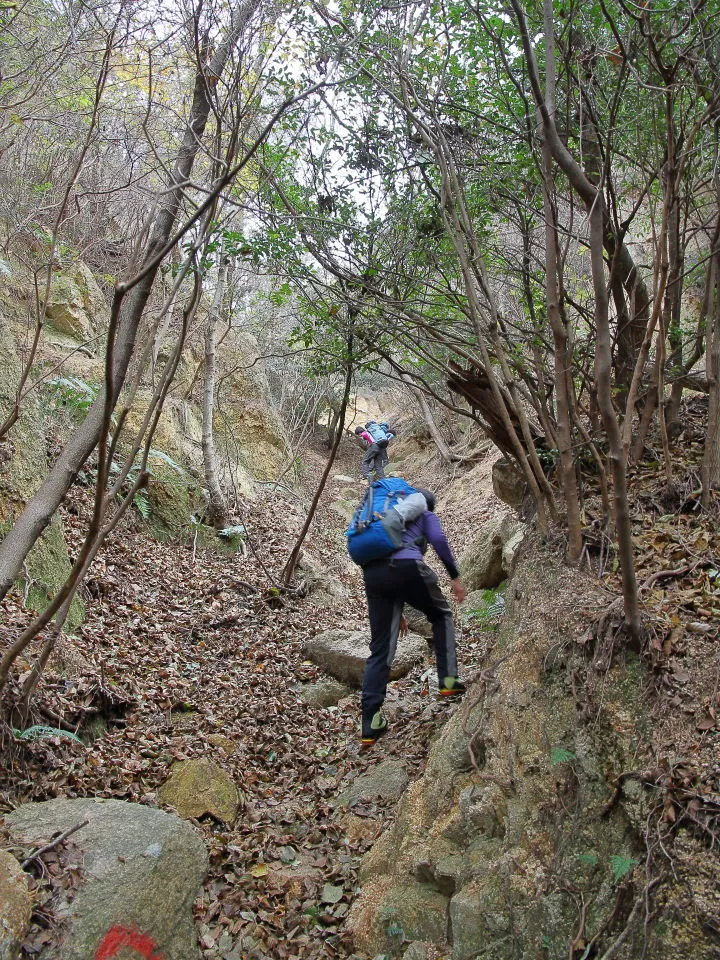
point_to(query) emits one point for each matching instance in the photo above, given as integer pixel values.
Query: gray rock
(15, 906)
(317, 578)
(418, 622)
(509, 485)
(469, 932)
(141, 873)
(510, 550)
(402, 913)
(342, 654)
(482, 563)
(324, 693)
(387, 780)
(483, 810)
(416, 951)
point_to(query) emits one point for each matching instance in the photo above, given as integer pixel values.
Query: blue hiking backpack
(377, 527)
(379, 431)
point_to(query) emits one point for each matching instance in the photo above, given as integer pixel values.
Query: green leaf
(621, 866)
(559, 755)
(590, 858)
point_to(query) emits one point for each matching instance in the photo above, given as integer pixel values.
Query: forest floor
(199, 645)
(188, 644)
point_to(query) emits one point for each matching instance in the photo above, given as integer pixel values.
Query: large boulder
(509, 485)
(487, 560)
(320, 581)
(75, 304)
(200, 787)
(174, 492)
(15, 906)
(342, 654)
(417, 622)
(387, 780)
(141, 873)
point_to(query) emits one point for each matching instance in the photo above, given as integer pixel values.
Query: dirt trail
(194, 644)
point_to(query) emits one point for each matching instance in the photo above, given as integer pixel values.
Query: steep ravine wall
(507, 846)
(23, 464)
(252, 445)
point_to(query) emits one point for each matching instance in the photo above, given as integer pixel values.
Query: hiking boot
(373, 729)
(451, 687)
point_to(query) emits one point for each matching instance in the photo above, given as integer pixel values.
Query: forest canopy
(510, 210)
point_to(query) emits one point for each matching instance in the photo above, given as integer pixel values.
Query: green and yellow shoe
(373, 730)
(452, 687)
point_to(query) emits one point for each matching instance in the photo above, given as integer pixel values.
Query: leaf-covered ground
(186, 647)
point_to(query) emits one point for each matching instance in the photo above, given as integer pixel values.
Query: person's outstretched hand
(458, 591)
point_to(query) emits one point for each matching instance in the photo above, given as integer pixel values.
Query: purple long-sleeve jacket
(427, 527)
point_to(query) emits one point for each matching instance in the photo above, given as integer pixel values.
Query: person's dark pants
(389, 584)
(376, 456)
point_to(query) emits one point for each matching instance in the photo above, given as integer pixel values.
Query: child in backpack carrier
(376, 436)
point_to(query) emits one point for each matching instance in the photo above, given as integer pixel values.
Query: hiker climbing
(388, 537)
(377, 437)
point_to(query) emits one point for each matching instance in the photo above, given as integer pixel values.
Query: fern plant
(41, 732)
(72, 394)
(489, 614)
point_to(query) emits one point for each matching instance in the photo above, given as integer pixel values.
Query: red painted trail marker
(118, 937)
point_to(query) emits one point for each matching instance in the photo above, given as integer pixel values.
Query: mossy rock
(200, 787)
(173, 500)
(409, 911)
(510, 831)
(75, 304)
(208, 538)
(23, 465)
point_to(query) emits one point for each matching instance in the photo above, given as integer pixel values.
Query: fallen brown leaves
(183, 655)
(677, 547)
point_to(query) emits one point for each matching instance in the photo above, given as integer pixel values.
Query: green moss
(207, 538)
(174, 499)
(47, 565)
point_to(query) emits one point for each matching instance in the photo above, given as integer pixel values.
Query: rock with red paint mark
(141, 872)
(15, 906)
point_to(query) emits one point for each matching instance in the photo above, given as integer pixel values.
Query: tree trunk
(217, 507)
(603, 363)
(592, 197)
(292, 561)
(443, 449)
(42, 506)
(711, 457)
(559, 330)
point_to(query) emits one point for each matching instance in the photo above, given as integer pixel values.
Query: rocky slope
(518, 840)
(251, 442)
